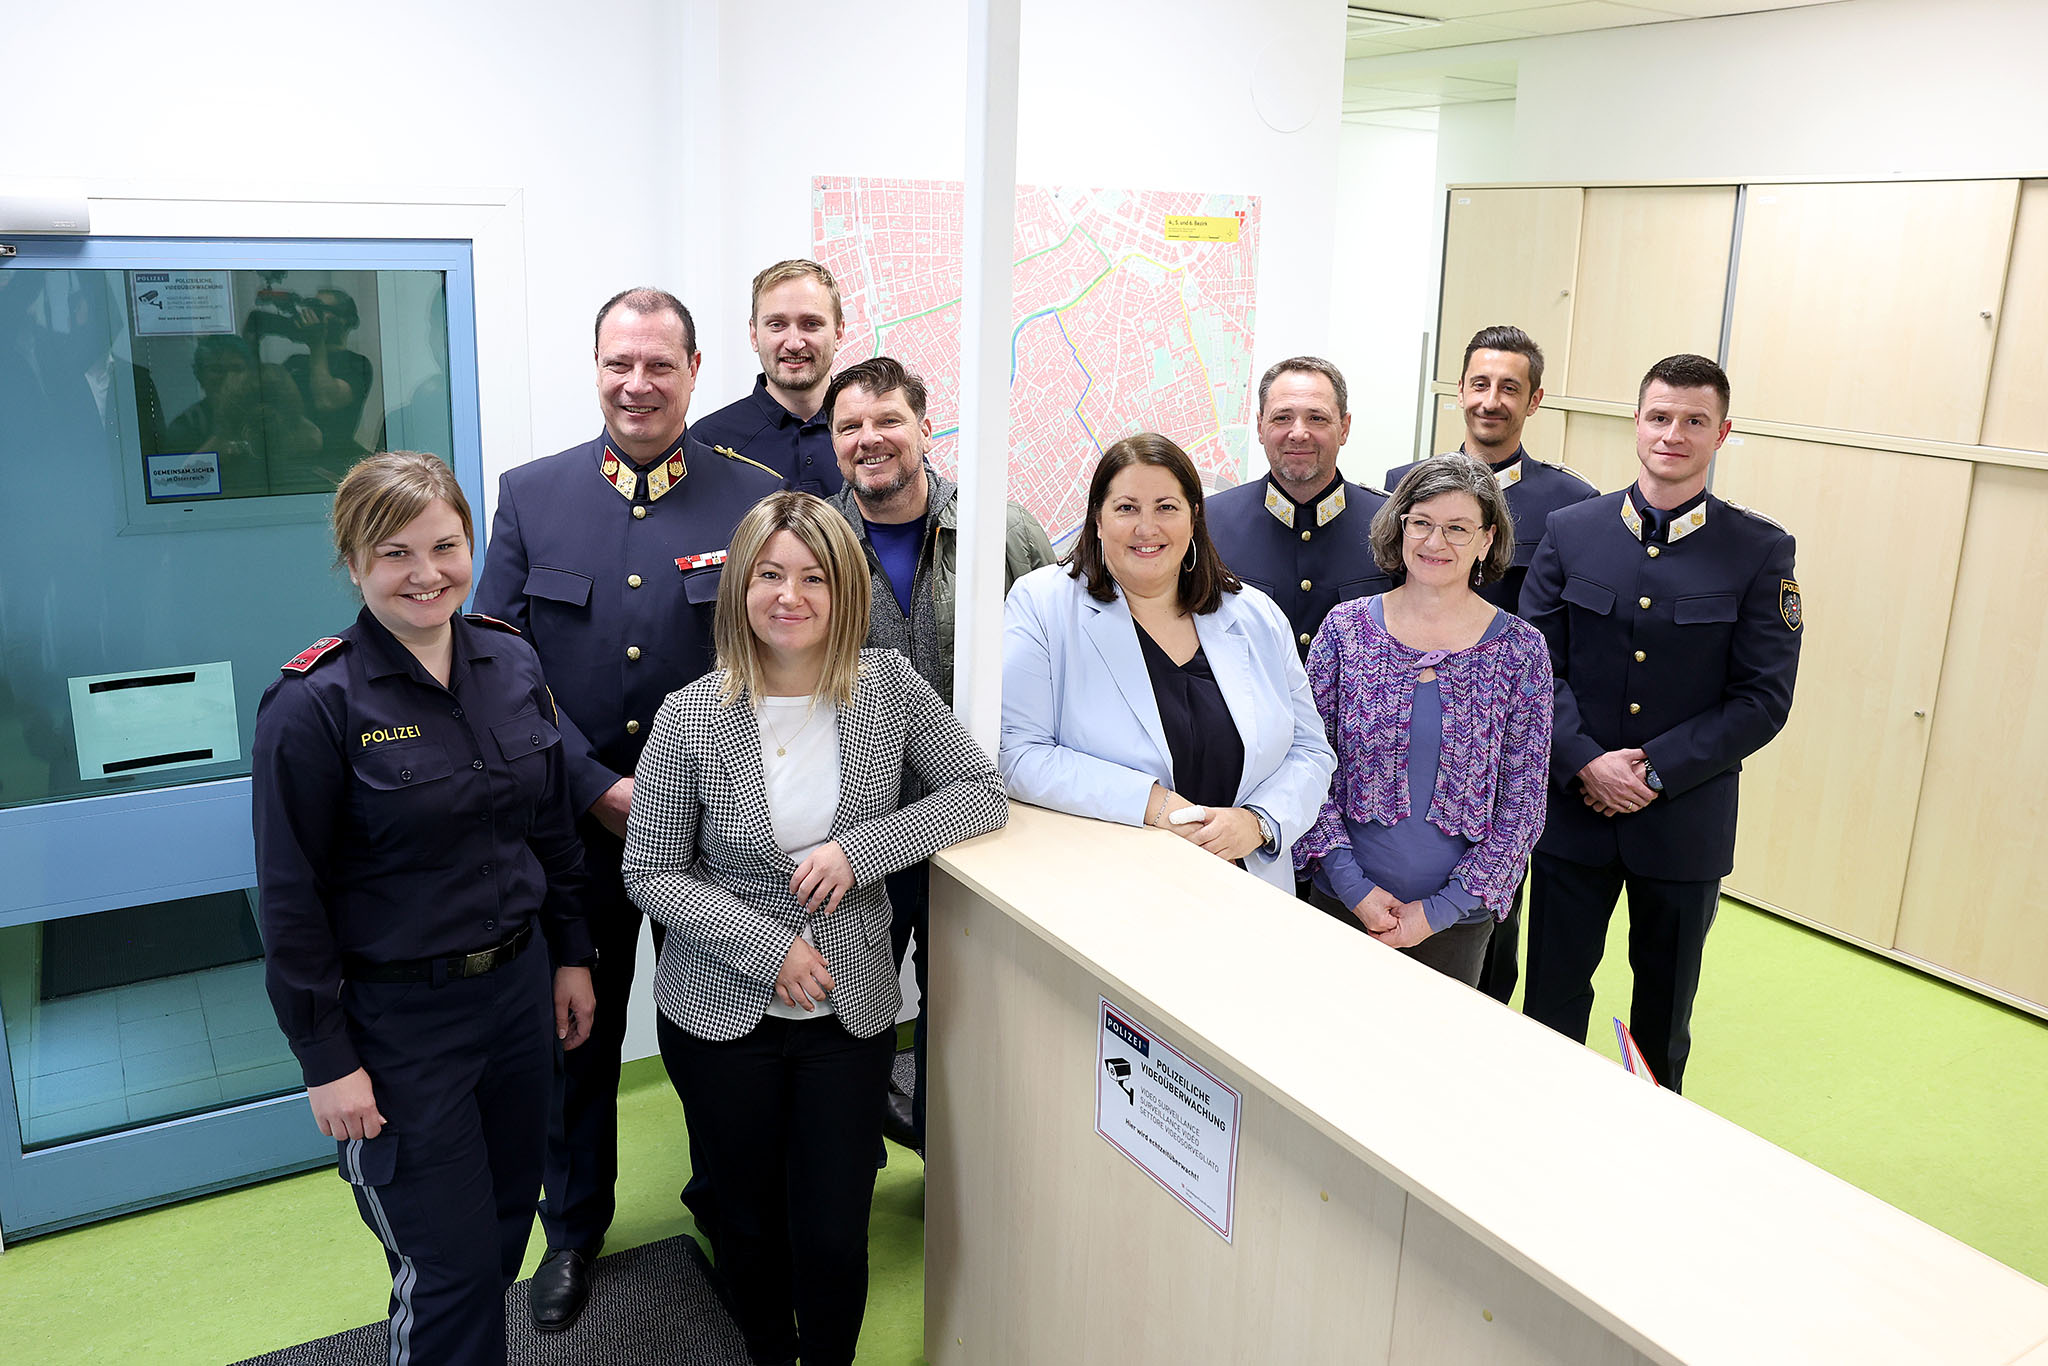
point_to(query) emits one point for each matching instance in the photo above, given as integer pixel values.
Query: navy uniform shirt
(763, 430)
(1308, 557)
(1534, 490)
(1684, 647)
(397, 819)
(612, 573)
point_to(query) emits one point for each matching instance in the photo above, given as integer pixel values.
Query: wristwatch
(1650, 778)
(1269, 838)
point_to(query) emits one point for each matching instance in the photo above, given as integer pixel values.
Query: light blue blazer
(1081, 730)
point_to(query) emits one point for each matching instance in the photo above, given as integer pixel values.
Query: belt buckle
(478, 963)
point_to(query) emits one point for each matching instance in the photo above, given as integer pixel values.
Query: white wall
(1386, 198)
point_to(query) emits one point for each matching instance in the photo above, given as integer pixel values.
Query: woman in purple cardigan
(1438, 705)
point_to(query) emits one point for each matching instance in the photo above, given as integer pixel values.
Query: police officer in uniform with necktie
(607, 556)
(1499, 388)
(1674, 624)
(1301, 534)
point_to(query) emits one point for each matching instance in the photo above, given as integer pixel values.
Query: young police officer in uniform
(412, 824)
(1499, 388)
(1301, 534)
(607, 555)
(1674, 622)
(795, 327)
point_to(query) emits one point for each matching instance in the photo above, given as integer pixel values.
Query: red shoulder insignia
(479, 619)
(305, 659)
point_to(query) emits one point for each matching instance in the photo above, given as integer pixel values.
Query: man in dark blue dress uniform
(607, 556)
(1674, 624)
(795, 326)
(1301, 534)
(1500, 386)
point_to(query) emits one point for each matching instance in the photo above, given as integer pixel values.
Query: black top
(1208, 753)
(761, 429)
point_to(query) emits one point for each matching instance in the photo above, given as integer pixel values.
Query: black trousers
(583, 1135)
(1569, 906)
(786, 1119)
(910, 902)
(1501, 968)
(460, 1070)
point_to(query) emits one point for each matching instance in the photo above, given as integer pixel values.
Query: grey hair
(1307, 365)
(1455, 472)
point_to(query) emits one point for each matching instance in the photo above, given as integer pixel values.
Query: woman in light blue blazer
(1143, 683)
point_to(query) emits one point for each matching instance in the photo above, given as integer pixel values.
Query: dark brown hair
(1513, 340)
(879, 375)
(1201, 588)
(1454, 472)
(1687, 371)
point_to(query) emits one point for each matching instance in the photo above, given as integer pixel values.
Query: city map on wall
(1133, 311)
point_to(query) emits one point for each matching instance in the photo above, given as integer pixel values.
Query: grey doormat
(647, 1305)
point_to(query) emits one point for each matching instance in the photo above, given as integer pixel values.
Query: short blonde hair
(782, 272)
(382, 493)
(826, 534)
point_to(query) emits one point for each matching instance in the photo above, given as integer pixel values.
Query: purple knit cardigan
(1490, 786)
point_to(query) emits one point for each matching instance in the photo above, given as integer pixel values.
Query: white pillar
(991, 213)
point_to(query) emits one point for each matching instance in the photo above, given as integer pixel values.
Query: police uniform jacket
(1307, 557)
(612, 573)
(1684, 650)
(701, 856)
(396, 819)
(761, 429)
(1534, 490)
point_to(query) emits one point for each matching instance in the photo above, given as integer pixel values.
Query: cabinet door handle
(1985, 314)
(1919, 712)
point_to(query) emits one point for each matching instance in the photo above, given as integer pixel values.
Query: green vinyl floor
(1921, 1093)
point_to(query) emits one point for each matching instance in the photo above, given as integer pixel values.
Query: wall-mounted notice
(181, 303)
(154, 719)
(175, 478)
(1169, 1115)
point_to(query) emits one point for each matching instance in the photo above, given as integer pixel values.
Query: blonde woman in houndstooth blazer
(765, 816)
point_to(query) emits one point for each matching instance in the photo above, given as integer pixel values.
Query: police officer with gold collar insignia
(413, 837)
(1499, 388)
(1301, 534)
(607, 555)
(1674, 625)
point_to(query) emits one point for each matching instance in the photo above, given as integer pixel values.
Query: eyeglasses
(1421, 529)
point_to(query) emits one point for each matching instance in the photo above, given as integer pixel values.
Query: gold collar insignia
(622, 476)
(1327, 510)
(665, 476)
(1510, 476)
(1282, 507)
(618, 474)
(1680, 529)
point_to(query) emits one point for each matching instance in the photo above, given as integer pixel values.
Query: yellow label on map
(1190, 228)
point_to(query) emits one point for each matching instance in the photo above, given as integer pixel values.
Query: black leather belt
(439, 969)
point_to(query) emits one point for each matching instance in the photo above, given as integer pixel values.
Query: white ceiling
(1409, 97)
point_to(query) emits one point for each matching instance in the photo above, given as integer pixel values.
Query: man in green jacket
(907, 518)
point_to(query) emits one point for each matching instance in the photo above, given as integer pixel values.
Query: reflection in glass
(138, 1015)
(170, 439)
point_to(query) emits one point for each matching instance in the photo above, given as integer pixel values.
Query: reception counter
(1421, 1175)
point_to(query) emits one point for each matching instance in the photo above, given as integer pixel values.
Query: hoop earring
(1189, 567)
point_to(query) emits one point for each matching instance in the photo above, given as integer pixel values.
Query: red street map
(1125, 321)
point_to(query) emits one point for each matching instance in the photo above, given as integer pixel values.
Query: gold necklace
(782, 745)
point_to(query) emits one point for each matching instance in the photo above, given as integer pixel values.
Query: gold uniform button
(632, 580)
(1640, 656)
(1306, 585)
(1304, 638)
(1306, 534)
(1642, 602)
(1634, 707)
(632, 652)
(632, 728)
(1655, 552)
(638, 512)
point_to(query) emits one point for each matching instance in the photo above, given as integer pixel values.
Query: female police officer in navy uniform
(412, 826)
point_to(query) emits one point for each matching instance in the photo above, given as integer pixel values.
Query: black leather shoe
(559, 1290)
(896, 1125)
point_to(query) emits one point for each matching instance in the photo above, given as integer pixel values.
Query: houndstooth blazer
(701, 856)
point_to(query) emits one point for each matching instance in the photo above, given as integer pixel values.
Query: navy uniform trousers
(461, 1071)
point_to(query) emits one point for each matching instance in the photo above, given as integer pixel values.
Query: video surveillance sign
(1170, 1115)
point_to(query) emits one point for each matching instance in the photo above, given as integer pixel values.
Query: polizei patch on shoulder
(1788, 603)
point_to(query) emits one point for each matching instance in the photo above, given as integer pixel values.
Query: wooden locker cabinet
(1510, 256)
(1638, 305)
(2016, 410)
(1871, 308)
